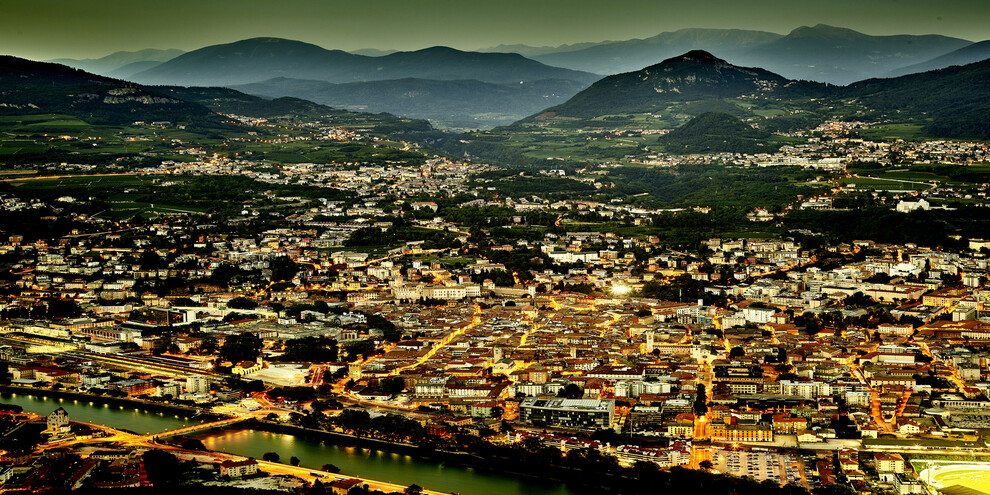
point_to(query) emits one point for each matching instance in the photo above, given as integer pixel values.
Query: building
(342, 487)
(131, 386)
(58, 420)
(889, 463)
(906, 485)
(788, 425)
(238, 469)
(568, 413)
(742, 433)
(197, 385)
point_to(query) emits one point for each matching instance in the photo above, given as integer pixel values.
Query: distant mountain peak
(694, 75)
(827, 30)
(696, 56)
(439, 49)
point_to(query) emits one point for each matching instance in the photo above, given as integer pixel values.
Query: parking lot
(761, 466)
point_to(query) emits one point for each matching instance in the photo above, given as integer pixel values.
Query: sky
(48, 29)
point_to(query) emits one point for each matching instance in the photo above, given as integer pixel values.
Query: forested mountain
(463, 104)
(261, 59)
(30, 87)
(695, 75)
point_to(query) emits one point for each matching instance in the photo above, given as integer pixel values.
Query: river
(121, 418)
(366, 463)
(373, 464)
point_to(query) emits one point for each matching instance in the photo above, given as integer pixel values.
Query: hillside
(953, 102)
(45, 89)
(32, 88)
(459, 104)
(615, 118)
(714, 132)
(229, 101)
(261, 59)
(696, 75)
(966, 55)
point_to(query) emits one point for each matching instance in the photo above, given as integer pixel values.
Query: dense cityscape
(691, 275)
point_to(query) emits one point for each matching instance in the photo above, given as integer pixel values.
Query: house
(341, 487)
(238, 469)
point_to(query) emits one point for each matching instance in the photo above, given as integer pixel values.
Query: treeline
(714, 185)
(933, 228)
(717, 132)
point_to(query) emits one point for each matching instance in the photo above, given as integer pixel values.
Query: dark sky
(45, 29)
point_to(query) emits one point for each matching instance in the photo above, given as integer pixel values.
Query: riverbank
(462, 460)
(374, 461)
(126, 402)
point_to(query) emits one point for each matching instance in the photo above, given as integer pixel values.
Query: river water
(121, 418)
(366, 463)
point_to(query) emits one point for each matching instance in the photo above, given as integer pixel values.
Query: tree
(330, 468)
(162, 467)
(193, 444)
(706, 464)
(208, 345)
(294, 461)
(413, 489)
(242, 303)
(701, 401)
(271, 457)
(736, 352)
(571, 391)
(241, 347)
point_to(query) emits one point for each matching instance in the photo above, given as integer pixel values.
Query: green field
(892, 131)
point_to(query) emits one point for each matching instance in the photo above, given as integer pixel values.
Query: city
(694, 274)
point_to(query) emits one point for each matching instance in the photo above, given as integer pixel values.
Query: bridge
(200, 427)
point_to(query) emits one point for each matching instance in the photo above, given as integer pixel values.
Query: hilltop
(695, 75)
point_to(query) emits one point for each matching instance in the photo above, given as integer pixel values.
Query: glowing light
(621, 290)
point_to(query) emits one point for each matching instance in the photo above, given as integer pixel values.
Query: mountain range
(965, 55)
(949, 102)
(819, 53)
(122, 65)
(498, 85)
(456, 88)
(260, 59)
(38, 88)
(706, 104)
